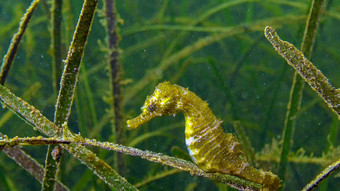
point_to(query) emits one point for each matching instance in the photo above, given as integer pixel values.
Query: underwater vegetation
(210, 148)
(73, 73)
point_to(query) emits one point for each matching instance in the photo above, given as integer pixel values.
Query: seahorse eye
(151, 107)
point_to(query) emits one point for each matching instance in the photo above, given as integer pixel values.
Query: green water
(215, 48)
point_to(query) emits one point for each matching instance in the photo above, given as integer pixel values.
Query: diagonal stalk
(180, 164)
(298, 83)
(34, 117)
(51, 165)
(12, 50)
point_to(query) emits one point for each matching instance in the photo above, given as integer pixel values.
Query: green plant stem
(324, 174)
(287, 51)
(307, 70)
(65, 99)
(68, 83)
(115, 73)
(51, 170)
(22, 158)
(314, 77)
(51, 165)
(12, 50)
(293, 106)
(40, 122)
(34, 117)
(72, 63)
(30, 165)
(180, 164)
(29, 93)
(56, 43)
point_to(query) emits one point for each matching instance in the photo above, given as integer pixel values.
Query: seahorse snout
(149, 111)
(139, 120)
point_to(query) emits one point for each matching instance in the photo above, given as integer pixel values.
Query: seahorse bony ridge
(209, 146)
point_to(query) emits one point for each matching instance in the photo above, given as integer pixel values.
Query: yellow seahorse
(209, 146)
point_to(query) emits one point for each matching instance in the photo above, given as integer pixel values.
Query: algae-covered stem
(12, 50)
(72, 64)
(56, 45)
(324, 174)
(17, 154)
(52, 165)
(68, 84)
(30, 165)
(34, 117)
(180, 164)
(115, 73)
(296, 91)
(306, 69)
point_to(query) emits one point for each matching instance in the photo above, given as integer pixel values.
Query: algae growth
(117, 52)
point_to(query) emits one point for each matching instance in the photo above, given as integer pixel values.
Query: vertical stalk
(56, 43)
(116, 71)
(34, 117)
(297, 86)
(51, 165)
(68, 84)
(72, 64)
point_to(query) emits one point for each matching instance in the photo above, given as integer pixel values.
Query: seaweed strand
(72, 64)
(51, 169)
(115, 73)
(293, 106)
(51, 165)
(180, 164)
(12, 50)
(56, 43)
(30, 165)
(68, 84)
(324, 174)
(298, 83)
(307, 70)
(34, 117)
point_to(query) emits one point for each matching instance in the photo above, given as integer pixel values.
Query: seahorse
(210, 148)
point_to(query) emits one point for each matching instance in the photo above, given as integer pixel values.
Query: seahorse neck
(198, 115)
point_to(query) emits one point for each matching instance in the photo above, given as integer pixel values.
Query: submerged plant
(164, 42)
(209, 146)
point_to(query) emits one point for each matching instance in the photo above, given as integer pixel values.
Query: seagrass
(209, 146)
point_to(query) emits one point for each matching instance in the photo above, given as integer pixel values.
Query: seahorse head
(165, 100)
